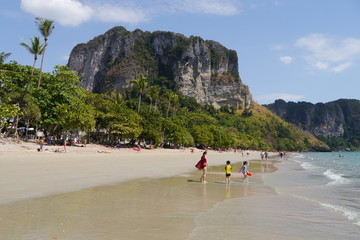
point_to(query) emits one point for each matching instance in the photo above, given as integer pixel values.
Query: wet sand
(31, 174)
(105, 193)
(145, 208)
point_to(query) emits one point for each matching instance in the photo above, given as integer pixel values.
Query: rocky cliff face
(340, 118)
(201, 69)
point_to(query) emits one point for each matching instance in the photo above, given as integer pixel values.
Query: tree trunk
(167, 112)
(139, 103)
(41, 65)
(16, 126)
(32, 74)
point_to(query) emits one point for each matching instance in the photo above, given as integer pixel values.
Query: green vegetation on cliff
(336, 123)
(155, 114)
(119, 55)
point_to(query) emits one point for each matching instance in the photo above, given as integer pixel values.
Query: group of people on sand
(264, 155)
(202, 166)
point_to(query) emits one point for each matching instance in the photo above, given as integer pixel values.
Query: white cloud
(341, 67)
(329, 54)
(286, 59)
(76, 12)
(217, 7)
(321, 65)
(111, 13)
(284, 96)
(66, 12)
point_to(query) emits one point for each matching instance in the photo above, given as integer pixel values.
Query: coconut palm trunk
(41, 66)
(45, 27)
(141, 84)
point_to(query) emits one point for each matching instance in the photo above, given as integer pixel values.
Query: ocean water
(310, 196)
(333, 181)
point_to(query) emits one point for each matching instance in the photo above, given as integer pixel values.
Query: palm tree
(4, 56)
(141, 85)
(154, 95)
(116, 97)
(45, 27)
(170, 97)
(175, 100)
(36, 48)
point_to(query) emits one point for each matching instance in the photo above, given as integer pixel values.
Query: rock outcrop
(339, 118)
(198, 68)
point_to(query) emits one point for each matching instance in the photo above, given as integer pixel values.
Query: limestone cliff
(198, 68)
(339, 118)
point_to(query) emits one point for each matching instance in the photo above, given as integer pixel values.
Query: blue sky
(296, 50)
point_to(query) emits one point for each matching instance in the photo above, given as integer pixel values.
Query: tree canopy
(62, 106)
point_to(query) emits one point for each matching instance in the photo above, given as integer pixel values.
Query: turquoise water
(311, 196)
(333, 180)
(319, 194)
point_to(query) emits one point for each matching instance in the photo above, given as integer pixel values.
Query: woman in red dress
(201, 165)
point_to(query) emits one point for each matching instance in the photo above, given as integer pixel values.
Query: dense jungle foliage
(150, 112)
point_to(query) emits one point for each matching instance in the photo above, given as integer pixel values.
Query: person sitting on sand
(201, 165)
(228, 169)
(137, 149)
(244, 170)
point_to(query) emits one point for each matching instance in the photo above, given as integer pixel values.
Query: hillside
(157, 116)
(159, 89)
(337, 123)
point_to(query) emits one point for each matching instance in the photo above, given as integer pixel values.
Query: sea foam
(336, 178)
(350, 215)
(307, 165)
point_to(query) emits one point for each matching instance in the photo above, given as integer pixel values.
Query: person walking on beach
(244, 170)
(201, 165)
(65, 144)
(41, 144)
(228, 169)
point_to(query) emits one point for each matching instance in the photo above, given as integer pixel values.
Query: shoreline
(26, 173)
(146, 208)
(156, 194)
(121, 194)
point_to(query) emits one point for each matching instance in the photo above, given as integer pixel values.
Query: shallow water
(325, 191)
(280, 205)
(139, 209)
(296, 202)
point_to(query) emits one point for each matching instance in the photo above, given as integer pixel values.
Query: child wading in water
(244, 170)
(201, 165)
(228, 169)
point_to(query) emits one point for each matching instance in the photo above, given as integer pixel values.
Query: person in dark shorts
(228, 169)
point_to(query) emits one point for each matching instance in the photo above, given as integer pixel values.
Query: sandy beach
(95, 192)
(26, 173)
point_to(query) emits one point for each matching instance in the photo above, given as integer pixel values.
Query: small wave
(336, 178)
(299, 155)
(307, 165)
(351, 216)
